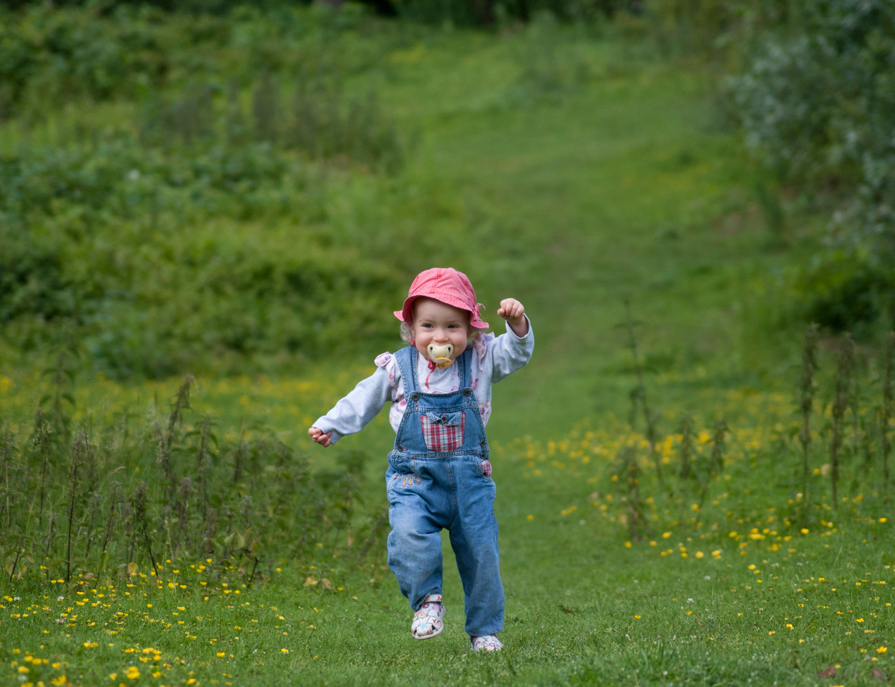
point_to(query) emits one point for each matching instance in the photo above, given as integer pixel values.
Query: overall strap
(406, 358)
(465, 361)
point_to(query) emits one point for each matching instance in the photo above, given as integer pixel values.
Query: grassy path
(621, 188)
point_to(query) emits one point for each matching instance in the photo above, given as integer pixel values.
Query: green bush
(31, 278)
(54, 56)
(320, 121)
(210, 281)
(501, 12)
(187, 225)
(847, 292)
(718, 32)
(818, 109)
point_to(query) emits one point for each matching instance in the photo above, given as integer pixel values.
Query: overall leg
(414, 544)
(474, 540)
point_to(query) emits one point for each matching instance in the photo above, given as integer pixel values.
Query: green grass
(582, 606)
(613, 180)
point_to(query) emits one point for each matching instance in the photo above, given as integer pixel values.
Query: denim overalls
(439, 477)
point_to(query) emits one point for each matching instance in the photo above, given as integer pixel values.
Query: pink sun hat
(447, 285)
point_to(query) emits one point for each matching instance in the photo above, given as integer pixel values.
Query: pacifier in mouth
(440, 354)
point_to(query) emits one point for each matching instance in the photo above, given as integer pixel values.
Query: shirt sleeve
(507, 353)
(352, 413)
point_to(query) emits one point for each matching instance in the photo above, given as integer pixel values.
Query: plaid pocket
(443, 433)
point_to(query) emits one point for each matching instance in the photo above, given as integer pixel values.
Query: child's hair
(407, 332)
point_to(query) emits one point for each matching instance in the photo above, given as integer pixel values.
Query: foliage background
(196, 131)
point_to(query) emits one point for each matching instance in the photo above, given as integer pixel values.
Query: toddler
(439, 475)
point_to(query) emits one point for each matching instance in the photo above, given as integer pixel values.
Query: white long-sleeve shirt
(493, 358)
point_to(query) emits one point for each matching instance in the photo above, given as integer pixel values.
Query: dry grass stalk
(638, 394)
(887, 407)
(806, 401)
(844, 375)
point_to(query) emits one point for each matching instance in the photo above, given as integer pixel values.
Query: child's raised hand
(514, 313)
(320, 437)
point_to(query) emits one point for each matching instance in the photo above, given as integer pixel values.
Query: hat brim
(406, 313)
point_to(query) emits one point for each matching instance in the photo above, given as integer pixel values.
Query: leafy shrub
(489, 12)
(204, 238)
(31, 278)
(77, 248)
(49, 56)
(321, 121)
(717, 26)
(847, 292)
(818, 108)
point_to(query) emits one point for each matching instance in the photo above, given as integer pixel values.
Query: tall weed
(168, 489)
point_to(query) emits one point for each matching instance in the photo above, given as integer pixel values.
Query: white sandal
(427, 620)
(487, 643)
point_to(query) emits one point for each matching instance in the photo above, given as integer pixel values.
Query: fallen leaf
(326, 583)
(310, 582)
(829, 672)
(879, 674)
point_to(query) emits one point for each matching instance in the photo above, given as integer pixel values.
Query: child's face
(437, 323)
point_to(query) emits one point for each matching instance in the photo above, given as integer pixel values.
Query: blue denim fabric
(429, 490)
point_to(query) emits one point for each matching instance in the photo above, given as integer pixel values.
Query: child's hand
(514, 313)
(320, 437)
